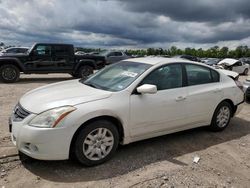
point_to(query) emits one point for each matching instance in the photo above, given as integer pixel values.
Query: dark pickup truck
(44, 58)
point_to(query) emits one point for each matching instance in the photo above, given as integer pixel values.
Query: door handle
(180, 98)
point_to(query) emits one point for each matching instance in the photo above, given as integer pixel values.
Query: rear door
(204, 93)
(62, 57)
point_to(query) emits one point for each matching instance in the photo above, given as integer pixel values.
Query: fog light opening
(31, 147)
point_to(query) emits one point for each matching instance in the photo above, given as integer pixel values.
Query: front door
(40, 59)
(164, 110)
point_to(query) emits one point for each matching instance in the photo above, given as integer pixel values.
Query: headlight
(51, 118)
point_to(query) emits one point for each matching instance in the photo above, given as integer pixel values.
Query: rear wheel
(85, 71)
(221, 117)
(9, 73)
(245, 72)
(96, 143)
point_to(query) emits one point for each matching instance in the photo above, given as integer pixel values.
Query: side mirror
(147, 88)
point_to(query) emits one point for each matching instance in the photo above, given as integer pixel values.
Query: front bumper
(41, 143)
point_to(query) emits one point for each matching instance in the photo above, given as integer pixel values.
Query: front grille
(19, 113)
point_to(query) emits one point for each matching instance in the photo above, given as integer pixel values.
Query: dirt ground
(165, 161)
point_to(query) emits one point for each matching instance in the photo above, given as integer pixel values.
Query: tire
(245, 72)
(85, 71)
(219, 123)
(74, 75)
(9, 73)
(91, 148)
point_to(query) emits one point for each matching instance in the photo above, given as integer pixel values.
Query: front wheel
(9, 73)
(221, 117)
(85, 71)
(96, 143)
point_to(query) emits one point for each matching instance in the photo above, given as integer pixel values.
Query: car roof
(160, 60)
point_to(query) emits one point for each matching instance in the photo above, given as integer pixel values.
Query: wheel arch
(112, 119)
(85, 62)
(229, 101)
(12, 62)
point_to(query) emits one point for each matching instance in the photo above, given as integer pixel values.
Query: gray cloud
(137, 23)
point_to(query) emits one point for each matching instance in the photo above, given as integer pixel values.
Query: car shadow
(140, 154)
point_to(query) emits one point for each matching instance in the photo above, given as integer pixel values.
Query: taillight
(239, 84)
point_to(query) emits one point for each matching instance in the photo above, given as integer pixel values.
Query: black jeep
(44, 58)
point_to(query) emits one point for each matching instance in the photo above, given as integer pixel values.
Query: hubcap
(223, 116)
(86, 72)
(98, 144)
(8, 73)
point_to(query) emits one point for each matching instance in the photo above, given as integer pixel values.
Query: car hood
(228, 61)
(59, 94)
(229, 73)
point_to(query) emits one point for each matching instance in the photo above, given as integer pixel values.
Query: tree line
(213, 52)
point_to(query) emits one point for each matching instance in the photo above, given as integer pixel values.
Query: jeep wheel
(85, 71)
(9, 73)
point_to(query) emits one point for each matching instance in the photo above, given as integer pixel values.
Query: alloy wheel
(98, 144)
(223, 116)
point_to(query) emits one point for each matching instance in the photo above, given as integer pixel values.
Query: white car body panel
(141, 116)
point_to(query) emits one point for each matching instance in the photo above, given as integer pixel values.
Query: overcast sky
(126, 23)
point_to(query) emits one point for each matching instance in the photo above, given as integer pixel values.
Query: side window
(167, 77)
(111, 54)
(198, 75)
(61, 50)
(12, 50)
(43, 50)
(118, 54)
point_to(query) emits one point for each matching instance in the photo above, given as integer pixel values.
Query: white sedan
(125, 102)
(234, 65)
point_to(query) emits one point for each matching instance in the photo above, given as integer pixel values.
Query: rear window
(215, 76)
(197, 75)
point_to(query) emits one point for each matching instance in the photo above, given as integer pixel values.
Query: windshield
(117, 76)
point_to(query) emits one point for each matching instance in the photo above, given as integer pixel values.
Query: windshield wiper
(91, 85)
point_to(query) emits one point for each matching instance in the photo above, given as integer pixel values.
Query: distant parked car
(128, 101)
(188, 57)
(80, 53)
(245, 60)
(234, 65)
(211, 61)
(114, 56)
(14, 50)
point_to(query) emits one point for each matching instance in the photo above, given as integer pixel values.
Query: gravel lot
(165, 161)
